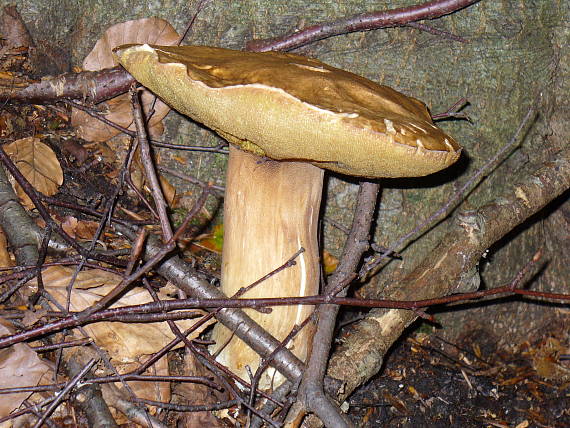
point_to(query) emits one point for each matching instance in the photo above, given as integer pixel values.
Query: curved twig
(362, 22)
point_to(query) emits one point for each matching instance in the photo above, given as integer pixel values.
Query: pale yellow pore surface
(290, 107)
(271, 210)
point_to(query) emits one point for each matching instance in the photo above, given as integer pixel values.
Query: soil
(429, 382)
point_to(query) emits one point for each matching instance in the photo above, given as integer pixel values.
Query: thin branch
(311, 390)
(63, 394)
(89, 86)
(201, 4)
(86, 210)
(146, 159)
(129, 313)
(362, 22)
(185, 408)
(190, 179)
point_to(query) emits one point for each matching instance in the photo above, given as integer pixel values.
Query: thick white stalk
(271, 210)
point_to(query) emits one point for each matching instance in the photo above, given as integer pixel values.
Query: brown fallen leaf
(168, 190)
(68, 225)
(158, 391)
(118, 110)
(19, 366)
(212, 241)
(15, 39)
(38, 164)
(126, 343)
(73, 149)
(5, 259)
(194, 393)
(330, 262)
(81, 229)
(545, 360)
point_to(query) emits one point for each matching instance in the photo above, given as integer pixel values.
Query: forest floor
(430, 382)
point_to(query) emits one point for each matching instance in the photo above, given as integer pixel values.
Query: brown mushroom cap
(288, 107)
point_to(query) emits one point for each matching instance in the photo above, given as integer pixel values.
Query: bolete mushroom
(286, 117)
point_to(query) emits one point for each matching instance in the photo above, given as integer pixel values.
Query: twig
(219, 148)
(63, 394)
(129, 180)
(289, 263)
(186, 408)
(42, 253)
(311, 390)
(190, 179)
(89, 211)
(265, 362)
(199, 7)
(363, 22)
(66, 344)
(102, 85)
(149, 168)
(453, 111)
(154, 312)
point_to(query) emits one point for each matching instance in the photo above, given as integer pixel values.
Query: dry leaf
(38, 164)
(128, 344)
(5, 259)
(86, 229)
(73, 149)
(14, 31)
(19, 366)
(168, 190)
(81, 229)
(159, 391)
(125, 342)
(545, 360)
(69, 225)
(330, 262)
(213, 241)
(118, 110)
(154, 30)
(196, 393)
(15, 39)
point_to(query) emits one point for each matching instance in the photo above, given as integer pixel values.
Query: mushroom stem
(270, 211)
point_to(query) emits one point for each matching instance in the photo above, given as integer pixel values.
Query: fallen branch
(361, 353)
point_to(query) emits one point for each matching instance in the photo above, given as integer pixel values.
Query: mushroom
(286, 117)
